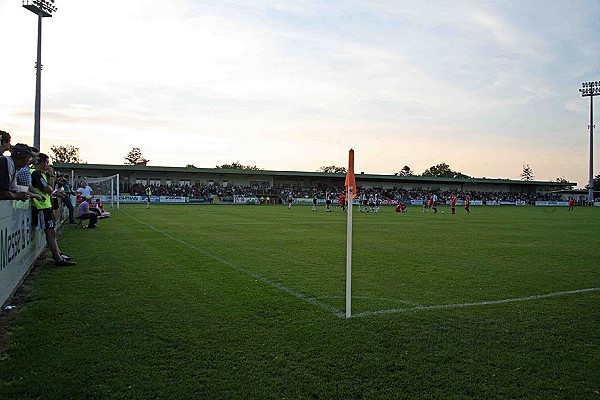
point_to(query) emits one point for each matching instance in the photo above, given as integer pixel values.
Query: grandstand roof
(306, 174)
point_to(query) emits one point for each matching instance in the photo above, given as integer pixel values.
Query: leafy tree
(405, 171)
(527, 174)
(190, 166)
(237, 165)
(66, 154)
(443, 171)
(135, 157)
(332, 169)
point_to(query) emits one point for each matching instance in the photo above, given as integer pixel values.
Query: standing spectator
(20, 156)
(85, 191)
(42, 183)
(67, 197)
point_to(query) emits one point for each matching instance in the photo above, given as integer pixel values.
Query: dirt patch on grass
(20, 296)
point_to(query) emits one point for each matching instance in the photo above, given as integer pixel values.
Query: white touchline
(341, 314)
(254, 275)
(480, 303)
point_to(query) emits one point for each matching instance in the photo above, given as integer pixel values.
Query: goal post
(105, 188)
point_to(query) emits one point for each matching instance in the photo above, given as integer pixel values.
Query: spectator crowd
(207, 192)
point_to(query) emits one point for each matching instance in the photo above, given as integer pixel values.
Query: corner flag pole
(349, 255)
(350, 195)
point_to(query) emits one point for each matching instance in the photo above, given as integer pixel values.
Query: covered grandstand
(197, 182)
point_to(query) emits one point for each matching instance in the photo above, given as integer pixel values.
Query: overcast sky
(484, 86)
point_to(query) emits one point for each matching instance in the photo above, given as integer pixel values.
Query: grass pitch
(247, 302)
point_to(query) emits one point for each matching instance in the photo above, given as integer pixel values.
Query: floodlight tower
(41, 8)
(591, 89)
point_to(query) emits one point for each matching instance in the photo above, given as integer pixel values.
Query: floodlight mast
(591, 89)
(42, 9)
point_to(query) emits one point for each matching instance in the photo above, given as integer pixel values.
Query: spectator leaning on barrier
(24, 174)
(9, 190)
(43, 184)
(4, 142)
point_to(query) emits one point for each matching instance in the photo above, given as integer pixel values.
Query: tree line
(70, 155)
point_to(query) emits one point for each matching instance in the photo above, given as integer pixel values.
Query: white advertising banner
(552, 203)
(153, 199)
(246, 200)
(20, 244)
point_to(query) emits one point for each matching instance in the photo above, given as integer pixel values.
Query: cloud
(484, 87)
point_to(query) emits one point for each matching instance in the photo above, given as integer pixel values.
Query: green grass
(244, 302)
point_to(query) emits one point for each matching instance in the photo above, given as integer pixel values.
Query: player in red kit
(342, 202)
(467, 204)
(453, 203)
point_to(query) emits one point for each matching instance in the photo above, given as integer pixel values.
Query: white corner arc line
(301, 296)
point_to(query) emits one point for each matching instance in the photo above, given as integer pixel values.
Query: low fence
(20, 244)
(309, 201)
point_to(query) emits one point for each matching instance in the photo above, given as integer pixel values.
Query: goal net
(105, 188)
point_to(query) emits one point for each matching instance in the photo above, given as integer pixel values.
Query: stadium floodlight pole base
(349, 254)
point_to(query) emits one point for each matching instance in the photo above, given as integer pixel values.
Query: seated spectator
(99, 209)
(84, 212)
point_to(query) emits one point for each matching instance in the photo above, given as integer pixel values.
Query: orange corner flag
(350, 178)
